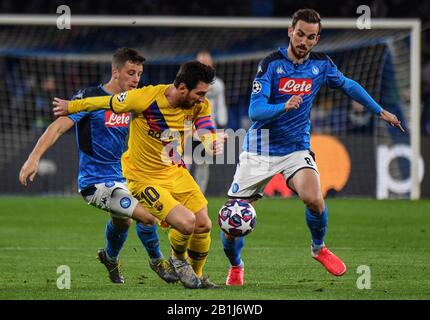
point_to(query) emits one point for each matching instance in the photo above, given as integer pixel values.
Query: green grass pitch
(392, 238)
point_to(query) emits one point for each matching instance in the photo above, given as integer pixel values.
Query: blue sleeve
(334, 78)
(259, 108)
(359, 94)
(76, 117)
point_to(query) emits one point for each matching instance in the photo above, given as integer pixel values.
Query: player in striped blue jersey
(102, 137)
(278, 141)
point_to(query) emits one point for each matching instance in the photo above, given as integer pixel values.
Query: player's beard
(300, 55)
(186, 103)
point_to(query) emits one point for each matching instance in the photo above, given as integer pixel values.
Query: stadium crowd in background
(277, 8)
(268, 8)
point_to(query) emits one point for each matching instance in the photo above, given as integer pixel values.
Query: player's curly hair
(192, 72)
(307, 15)
(122, 55)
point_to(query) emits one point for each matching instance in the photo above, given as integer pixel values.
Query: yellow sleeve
(132, 100)
(203, 109)
(88, 104)
(205, 129)
(135, 100)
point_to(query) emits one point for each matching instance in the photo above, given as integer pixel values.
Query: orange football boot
(330, 261)
(236, 276)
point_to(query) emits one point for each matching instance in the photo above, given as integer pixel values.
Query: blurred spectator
(43, 104)
(360, 120)
(216, 96)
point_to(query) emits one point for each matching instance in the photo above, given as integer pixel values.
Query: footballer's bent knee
(121, 224)
(315, 204)
(185, 227)
(143, 216)
(203, 222)
(203, 226)
(181, 219)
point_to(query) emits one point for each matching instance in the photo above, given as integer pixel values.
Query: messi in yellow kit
(153, 163)
(162, 116)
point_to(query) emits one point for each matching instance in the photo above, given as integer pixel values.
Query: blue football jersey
(277, 80)
(101, 137)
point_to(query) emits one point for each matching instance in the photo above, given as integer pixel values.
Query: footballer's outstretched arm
(127, 101)
(64, 107)
(359, 94)
(48, 138)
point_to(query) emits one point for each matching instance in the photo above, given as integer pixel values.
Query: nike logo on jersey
(295, 86)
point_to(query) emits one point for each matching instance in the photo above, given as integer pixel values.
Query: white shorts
(254, 171)
(113, 197)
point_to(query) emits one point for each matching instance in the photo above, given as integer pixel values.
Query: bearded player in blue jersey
(281, 100)
(102, 138)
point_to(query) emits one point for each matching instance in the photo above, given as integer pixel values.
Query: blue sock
(232, 249)
(114, 240)
(317, 224)
(149, 238)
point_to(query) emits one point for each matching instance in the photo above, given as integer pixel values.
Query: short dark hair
(307, 15)
(122, 55)
(192, 72)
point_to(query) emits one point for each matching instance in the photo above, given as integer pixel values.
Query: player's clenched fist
(60, 107)
(293, 103)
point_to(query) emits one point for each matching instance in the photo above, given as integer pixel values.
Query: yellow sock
(198, 251)
(179, 243)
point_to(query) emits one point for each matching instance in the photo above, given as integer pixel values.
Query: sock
(232, 249)
(317, 224)
(149, 238)
(198, 251)
(115, 239)
(179, 243)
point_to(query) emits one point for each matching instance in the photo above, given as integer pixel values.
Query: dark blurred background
(271, 8)
(41, 62)
(248, 8)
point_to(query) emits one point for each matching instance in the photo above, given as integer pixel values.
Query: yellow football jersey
(157, 130)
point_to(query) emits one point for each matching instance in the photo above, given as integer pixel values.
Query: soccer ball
(237, 218)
